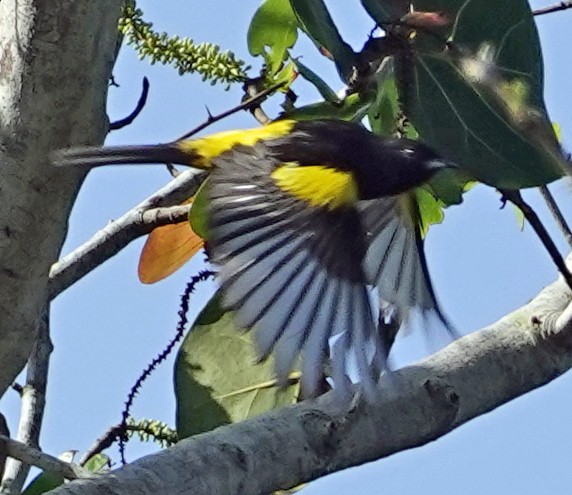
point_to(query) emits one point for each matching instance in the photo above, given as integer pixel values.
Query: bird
(315, 230)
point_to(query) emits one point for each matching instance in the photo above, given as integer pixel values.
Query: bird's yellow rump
(305, 218)
(206, 148)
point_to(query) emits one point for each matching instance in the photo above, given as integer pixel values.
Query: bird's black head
(399, 165)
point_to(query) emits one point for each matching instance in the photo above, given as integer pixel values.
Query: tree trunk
(56, 59)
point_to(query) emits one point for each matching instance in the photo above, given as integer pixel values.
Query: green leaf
(198, 214)
(430, 209)
(447, 186)
(383, 11)
(285, 75)
(520, 218)
(385, 110)
(216, 379)
(211, 313)
(352, 108)
(315, 20)
(44, 482)
(557, 131)
(475, 126)
(99, 463)
(327, 93)
(273, 26)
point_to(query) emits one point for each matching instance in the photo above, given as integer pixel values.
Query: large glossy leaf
(315, 20)
(383, 11)
(465, 120)
(383, 117)
(272, 31)
(444, 189)
(216, 379)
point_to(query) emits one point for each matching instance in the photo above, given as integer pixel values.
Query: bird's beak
(441, 164)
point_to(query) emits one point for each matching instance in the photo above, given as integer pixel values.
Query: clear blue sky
(108, 326)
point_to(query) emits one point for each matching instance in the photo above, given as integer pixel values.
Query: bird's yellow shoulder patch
(318, 185)
(210, 147)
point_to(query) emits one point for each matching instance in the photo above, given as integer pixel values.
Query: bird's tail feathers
(96, 156)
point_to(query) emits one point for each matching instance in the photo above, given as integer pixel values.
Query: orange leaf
(167, 249)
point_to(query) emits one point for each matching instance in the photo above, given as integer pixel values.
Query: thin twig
(113, 434)
(251, 91)
(553, 8)
(3, 454)
(243, 106)
(130, 226)
(45, 462)
(516, 198)
(103, 442)
(119, 124)
(18, 388)
(33, 404)
(202, 276)
(557, 214)
(116, 235)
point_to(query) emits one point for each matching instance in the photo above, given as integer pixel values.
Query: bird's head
(404, 164)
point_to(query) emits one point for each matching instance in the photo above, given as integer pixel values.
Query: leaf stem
(515, 197)
(557, 214)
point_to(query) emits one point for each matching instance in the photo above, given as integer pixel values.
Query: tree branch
(515, 197)
(33, 405)
(46, 462)
(553, 8)
(556, 214)
(49, 98)
(253, 100)
(417, 404)
(117, 234)
(120, 124)
(3, 454)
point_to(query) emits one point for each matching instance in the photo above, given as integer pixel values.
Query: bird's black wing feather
(395, 260)
(291, 271)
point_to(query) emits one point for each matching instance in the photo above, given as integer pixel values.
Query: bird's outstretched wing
(395, 260)
(290, 270)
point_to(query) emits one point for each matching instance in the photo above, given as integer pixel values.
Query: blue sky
(108, 326)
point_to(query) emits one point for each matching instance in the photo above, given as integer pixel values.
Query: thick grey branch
(417, 404)
(117, 234)
(46, 462)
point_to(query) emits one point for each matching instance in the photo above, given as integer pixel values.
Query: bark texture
(56, 58)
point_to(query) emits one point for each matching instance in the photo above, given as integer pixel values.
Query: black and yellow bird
(306, 220)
